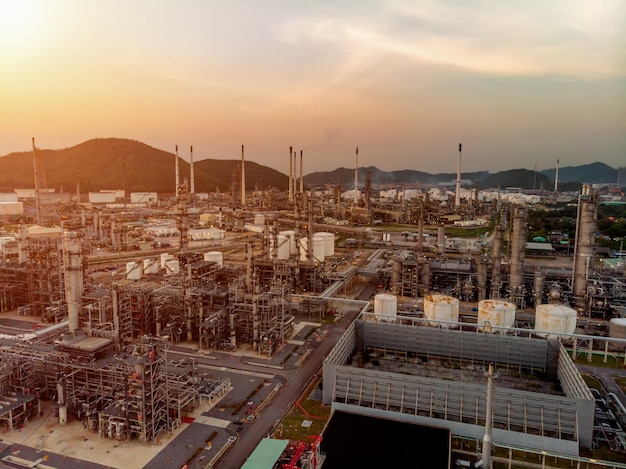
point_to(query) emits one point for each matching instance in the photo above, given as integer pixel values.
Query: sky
(520, 84)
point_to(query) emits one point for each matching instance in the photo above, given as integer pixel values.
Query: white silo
(281, 250)
(291, 236)
(329, 243)
(441, 308)
(133, 271)
(304, 249)
(259, 219)
(172, 267)
(164, 258)
(385, 307)
(617, 330)
(214, 256)
(554, 319)
(498, 313)
(151, 266)
(319, 248)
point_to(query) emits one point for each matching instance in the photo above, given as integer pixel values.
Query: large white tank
(385, 307)
(329, 243)
(291, 235)
(151, 266)
(304, 249)
(172, 267)
(554, 319)
(133, 270)
(281, 250)
(259, 219)
(319, 248)
(164, 258)
(441, 308)
(497, 312)
(214, 256)
(617, 330)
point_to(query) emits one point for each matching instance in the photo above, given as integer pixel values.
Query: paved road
(251, 434)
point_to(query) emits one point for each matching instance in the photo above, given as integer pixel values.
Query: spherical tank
(617, 330)
(172, 266)
(329, 243)
(259, 219)
(133, 271)
(554, 319)
(497, 312)
(441, 308)
(291, 235)
(385, 307)
(319, 248)
(151, 266)
(215, 256)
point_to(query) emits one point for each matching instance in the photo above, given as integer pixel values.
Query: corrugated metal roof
(265, 454)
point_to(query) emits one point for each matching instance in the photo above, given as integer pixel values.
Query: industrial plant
(115, 303)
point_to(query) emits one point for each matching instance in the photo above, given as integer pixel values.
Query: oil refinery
(171, 324)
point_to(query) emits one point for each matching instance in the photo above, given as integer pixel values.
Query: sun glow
(19, 23)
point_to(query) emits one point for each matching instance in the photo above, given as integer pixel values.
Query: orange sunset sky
(519, 83)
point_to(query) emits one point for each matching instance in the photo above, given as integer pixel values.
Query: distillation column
(73, 270)
(496, 259)
(585, 243)
(518, 245)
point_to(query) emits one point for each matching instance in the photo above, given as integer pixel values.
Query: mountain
(587, 173)
(111, 163)
(345, 177)
(524, 178)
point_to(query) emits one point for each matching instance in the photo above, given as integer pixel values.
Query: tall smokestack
(356, 176)
(293, 186)
(301, 186)
(457, 197)
(177, 174)
(243, 178)
(36, 183)
(556, 177)
(193, 180)
(290, 174)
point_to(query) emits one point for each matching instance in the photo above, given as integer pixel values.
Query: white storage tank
(554, 319)
(385, 307)
(164, 258)
(133, 271)
(497, 312)
(319, 248)
(329, 243)
(259, 219)
(215, 256)
(151, 266)
(172, 267)
(441, 308)
(281, 250)
(304, 249)
(291, 235)
(617, 330)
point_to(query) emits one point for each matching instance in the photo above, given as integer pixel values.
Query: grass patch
(593, 383)
(291, 426)
(597, 359)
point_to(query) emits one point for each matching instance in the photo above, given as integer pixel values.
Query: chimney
(556, 177)
(301, 184)
(457, 198)
(177, 175)
(193, 191)
(243, 179)
(290, 174)
(356, 177)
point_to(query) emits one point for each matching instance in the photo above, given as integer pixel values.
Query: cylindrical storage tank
(151, 266)
(617, 330)
(319, 248)
(385, 307)
(497, 313)
(329, 243)
(259, 219)
(304, 249)
(441, 308)
(281, 250)
(214, 256)
(133, 271)
(554, 319)
(291, 235)
(172, 267)
(164, 258)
